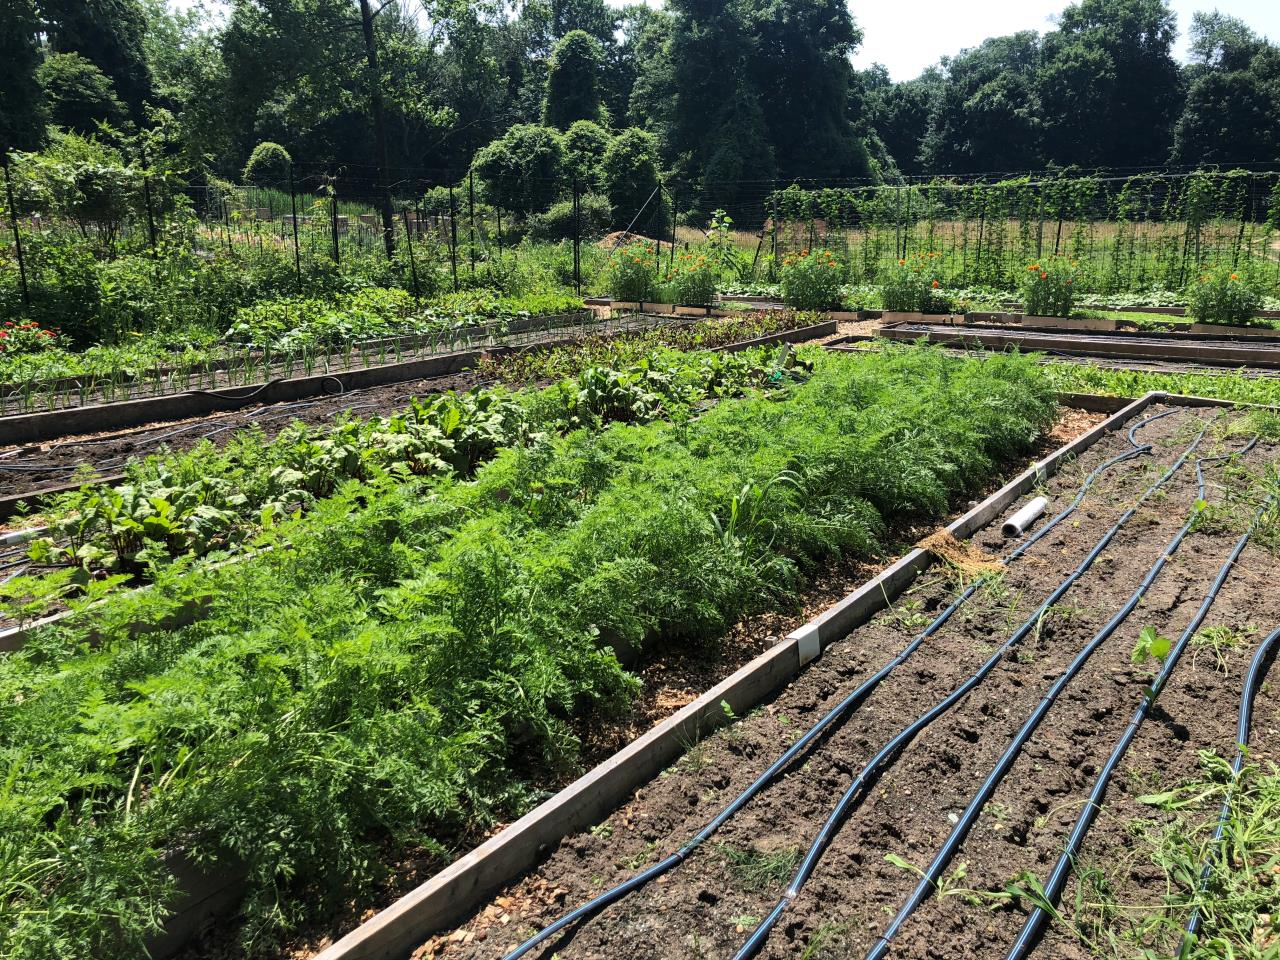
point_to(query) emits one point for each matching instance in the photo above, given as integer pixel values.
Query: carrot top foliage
(415, 659)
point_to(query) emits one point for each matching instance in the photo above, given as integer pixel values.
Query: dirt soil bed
(707, 906)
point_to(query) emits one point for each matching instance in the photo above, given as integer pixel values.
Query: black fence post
(671, 260)
(146, 195)
(471, 215)
(661, 191)
(453, 235)
(577, 242)
(413, 265)
(17, 234)
(333, 219)
(293, 209)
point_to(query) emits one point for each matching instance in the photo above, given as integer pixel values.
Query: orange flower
(1068, 283)
(902, 263)
(1235, 276)
(936, 284)
(1044, 275)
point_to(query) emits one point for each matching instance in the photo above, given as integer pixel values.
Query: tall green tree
(800, 68)
(22, 106)
(109, 34)
(1109, 87)
(80, 96)
(1232, 111)
(986, 115)
(573, 81)
(899, 113)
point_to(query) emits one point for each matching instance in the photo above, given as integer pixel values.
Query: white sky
(906, 40)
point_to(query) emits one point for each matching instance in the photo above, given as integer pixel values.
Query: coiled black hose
(1034, 924)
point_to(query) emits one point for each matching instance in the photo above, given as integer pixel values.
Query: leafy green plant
(812, 280)
(914, 285)
(1224, 295)
(631, 272)
(1048, 287)
(693, 280)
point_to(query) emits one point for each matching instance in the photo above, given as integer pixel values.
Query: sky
(906, 40)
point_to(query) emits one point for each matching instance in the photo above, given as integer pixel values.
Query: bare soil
(706, 907)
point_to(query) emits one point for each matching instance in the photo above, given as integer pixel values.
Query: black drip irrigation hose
(1253, 679)
(1033, 927)
(930, 877)
(599, 903)
(890, 750)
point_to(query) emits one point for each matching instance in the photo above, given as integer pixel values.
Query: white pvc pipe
(1017, 524)
(21, 536)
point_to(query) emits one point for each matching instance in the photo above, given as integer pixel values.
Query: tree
(1109, 87)
(573, 81)
(1232, 111)
(799, 66)
(631, 182)
(986, 114)
(523, 170)
(109, 34)
(22, 107)
(899, 113)
(585, 144)
(80, 96)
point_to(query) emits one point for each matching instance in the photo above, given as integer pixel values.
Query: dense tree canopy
(730, 94)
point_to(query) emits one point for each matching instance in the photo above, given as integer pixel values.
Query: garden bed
(583, 540)
(711, 902)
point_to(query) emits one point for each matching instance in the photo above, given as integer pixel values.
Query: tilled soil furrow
(1197, 711)
(703, 907)
(935, 778)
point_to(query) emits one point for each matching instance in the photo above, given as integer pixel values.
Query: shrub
(584, 146)
(1048, 290)
(631, 272)
(268, 164)
(630, 168)
(522, 171)
(812, 281)
(693, 281)
(1222, 295)
(914, 285)
(557, 223)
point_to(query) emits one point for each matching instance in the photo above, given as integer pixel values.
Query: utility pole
(379, 130)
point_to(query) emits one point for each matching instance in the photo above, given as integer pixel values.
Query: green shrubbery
(415, 654)
(812, 281)
(1223, 295)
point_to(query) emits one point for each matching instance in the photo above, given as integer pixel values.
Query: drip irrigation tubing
(1253, 679)
(929, 879)
(608, 897)
(1033, 926)
(890, 750)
